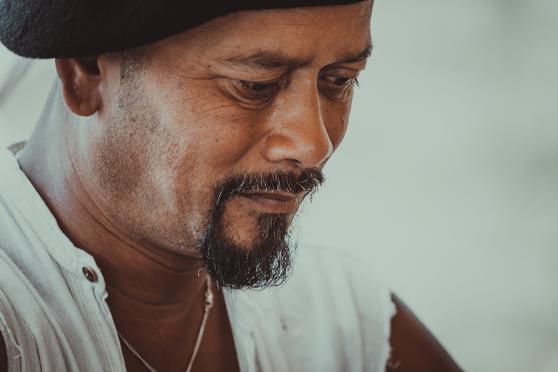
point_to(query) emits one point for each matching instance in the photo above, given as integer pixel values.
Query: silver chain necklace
(207, 304)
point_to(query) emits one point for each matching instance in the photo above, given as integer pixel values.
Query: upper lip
(275, 195)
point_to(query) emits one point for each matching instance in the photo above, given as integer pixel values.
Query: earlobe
(80, 84)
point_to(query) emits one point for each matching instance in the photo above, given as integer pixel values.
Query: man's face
(208, 141)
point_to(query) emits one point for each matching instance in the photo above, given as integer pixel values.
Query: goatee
(268, 260)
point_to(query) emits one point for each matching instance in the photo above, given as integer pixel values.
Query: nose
(299, 134)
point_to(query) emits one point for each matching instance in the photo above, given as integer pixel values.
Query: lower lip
(270, 205)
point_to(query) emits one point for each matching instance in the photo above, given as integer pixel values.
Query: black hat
(79, 28)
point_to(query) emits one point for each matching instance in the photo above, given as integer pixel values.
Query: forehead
(299, 32)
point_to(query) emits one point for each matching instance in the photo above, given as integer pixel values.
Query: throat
(169, 344)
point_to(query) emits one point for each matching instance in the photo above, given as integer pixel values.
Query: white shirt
(331, 315)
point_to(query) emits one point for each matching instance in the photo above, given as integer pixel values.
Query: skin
(129, 164)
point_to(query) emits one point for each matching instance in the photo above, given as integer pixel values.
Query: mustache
(307, 181)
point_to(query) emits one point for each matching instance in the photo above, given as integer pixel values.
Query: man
(157, 191)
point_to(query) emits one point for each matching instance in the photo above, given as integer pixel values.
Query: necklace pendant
(208, 298)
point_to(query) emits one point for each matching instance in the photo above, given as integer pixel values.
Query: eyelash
(350, 81)
(246, 88)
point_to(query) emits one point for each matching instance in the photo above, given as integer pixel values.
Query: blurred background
(447, 181)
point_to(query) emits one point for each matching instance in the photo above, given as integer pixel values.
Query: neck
(153, 281)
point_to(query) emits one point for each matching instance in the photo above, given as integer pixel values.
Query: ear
(80, 79)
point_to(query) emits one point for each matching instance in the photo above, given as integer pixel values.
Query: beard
(267, 261)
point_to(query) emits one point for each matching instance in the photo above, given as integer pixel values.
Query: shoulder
(24, 305)
(10, 328)
(346, 282)
(20, 326)
(6, 336)
(3, 356)
(3, 352)
(337, 271)
(332, 301)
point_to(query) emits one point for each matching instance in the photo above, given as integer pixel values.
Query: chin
(255, 255)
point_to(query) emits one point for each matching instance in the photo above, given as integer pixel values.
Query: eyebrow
(268, 60)
(361, 56)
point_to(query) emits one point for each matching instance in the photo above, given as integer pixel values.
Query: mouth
(273, 202)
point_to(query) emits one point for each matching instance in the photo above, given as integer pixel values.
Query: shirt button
(89, 274)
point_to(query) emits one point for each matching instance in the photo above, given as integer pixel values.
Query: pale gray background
(447, 181)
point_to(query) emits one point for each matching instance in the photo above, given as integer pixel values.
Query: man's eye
(257, 90)
(342, 81)
(336, 87)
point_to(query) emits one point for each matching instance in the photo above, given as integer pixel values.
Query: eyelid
(245, 84)
(343, 70)
(338, 93)
(343, 74)
(263, 82)
(236, 90)
(281, 81)
(350, 79)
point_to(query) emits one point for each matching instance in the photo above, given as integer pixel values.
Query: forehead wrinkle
(267, 60)
(313, 20)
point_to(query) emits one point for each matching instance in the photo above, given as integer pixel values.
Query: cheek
(210, 138)
(119, 155)
(212, 133)
(212, 130)
(336, 119)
